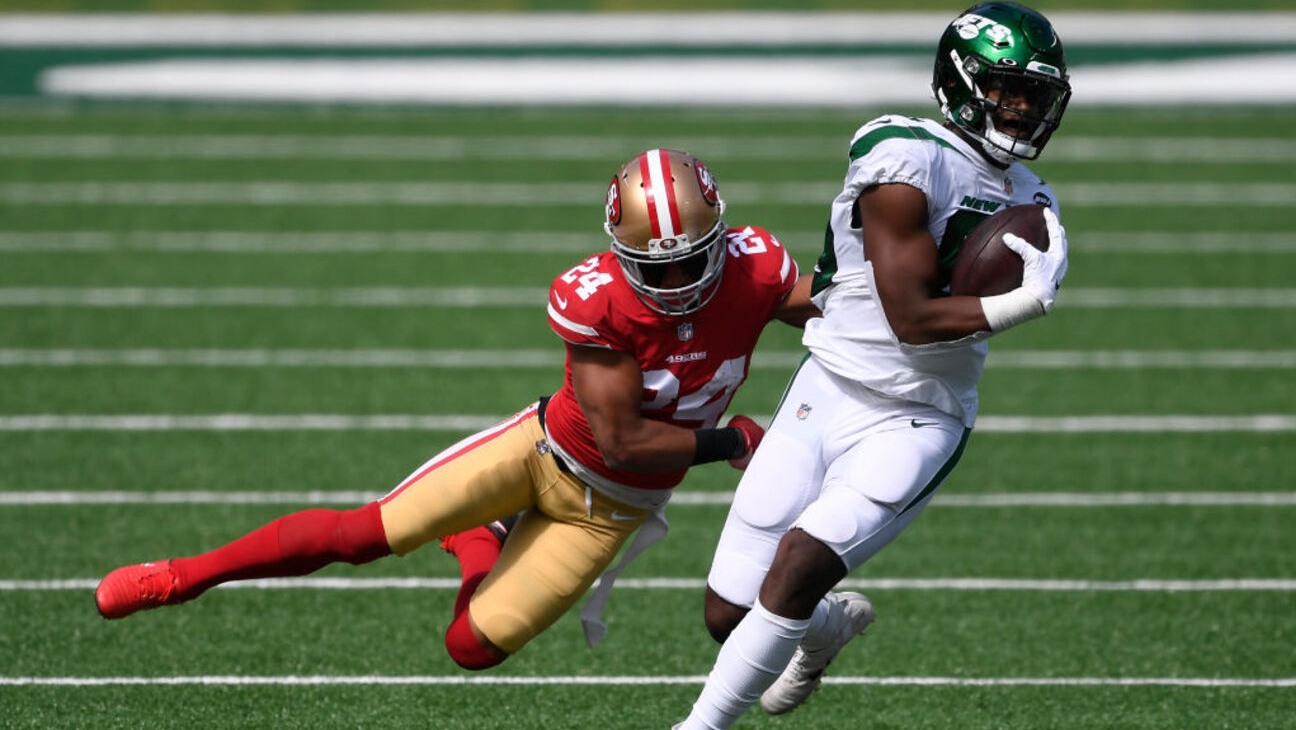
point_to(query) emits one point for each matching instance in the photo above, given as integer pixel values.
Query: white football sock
(751, 659)
(822, 629)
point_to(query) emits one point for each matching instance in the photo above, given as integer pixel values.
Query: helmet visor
(693, 268)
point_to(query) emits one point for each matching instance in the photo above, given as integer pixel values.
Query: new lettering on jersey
(691, 364)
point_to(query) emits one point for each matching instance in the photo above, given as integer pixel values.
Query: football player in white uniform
(881, 408)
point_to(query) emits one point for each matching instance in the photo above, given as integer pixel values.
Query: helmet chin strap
(997, 145)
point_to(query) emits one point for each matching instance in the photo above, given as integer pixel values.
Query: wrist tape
(1006, 310)
(718, 444)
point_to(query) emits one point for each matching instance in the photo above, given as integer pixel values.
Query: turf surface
(938, 632)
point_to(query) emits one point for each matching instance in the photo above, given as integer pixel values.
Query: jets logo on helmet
(971, 25)
(664, 214)
(614, 203)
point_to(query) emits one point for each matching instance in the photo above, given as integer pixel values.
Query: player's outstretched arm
(906, 269)
(796, 308)
(609, 388)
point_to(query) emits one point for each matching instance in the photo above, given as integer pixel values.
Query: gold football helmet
(663, 208)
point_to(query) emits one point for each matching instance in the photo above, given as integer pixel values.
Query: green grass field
(89, 229)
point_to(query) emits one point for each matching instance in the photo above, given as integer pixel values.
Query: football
(985, 266)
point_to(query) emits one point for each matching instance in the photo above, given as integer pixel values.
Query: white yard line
(249, 422)
(467, 359)
(274, 297)
(1190, 298)
(431, 241)
(1268, 423)
(575, 242)
(1118, 499)
(1136, 359)
(1283, 585)
(760, 79)
(1270, 150)
(494, 194)
(680, 498)
(614, 681)
(758, 30)
(547, 358)
(503, 296)
(1135, 424)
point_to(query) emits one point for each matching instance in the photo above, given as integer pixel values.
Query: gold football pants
(565, 538)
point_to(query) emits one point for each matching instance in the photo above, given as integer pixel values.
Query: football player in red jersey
(659, 334)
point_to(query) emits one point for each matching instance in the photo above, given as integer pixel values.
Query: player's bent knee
(466, 650)
(804, 569)
(721, 616)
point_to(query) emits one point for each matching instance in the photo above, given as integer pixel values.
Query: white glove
(1042, 271)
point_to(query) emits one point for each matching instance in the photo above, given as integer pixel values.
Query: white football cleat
(850, 614)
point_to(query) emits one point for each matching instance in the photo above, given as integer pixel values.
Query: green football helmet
(1001, 77)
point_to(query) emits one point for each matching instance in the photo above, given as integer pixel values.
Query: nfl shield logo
(1008, 185)
(685, 332)
(803, 412)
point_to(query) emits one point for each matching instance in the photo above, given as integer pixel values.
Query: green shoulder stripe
(826, 267)
(865, 144)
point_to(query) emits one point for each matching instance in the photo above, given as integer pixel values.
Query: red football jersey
(692, 364)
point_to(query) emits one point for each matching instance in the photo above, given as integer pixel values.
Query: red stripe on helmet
(669, 184)
(649, 188)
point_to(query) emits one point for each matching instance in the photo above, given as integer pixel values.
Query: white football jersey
(854, 339)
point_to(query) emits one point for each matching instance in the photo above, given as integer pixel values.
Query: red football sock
(476, 550)
(294, 544)
(466, 650)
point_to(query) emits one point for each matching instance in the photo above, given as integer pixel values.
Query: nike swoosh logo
(618, 517)
(921, 424)
(562, 303)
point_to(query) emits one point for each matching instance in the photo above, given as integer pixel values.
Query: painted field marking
(684, 498)
(697, 584)
(1178, 244)
(762, 79)
(1268, 423)
(548, 358)
(504, 296)
(495, 194)
(615, 681)
(642, 29)
(1270, 150)
(254, 242)
(547, 242)
(1179, 297)
(1031, 499)
(465, 296)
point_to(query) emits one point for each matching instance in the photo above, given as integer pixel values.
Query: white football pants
(849, 466)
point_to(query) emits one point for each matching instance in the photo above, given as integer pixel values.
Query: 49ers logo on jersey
(614, 202)
(707, 183)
